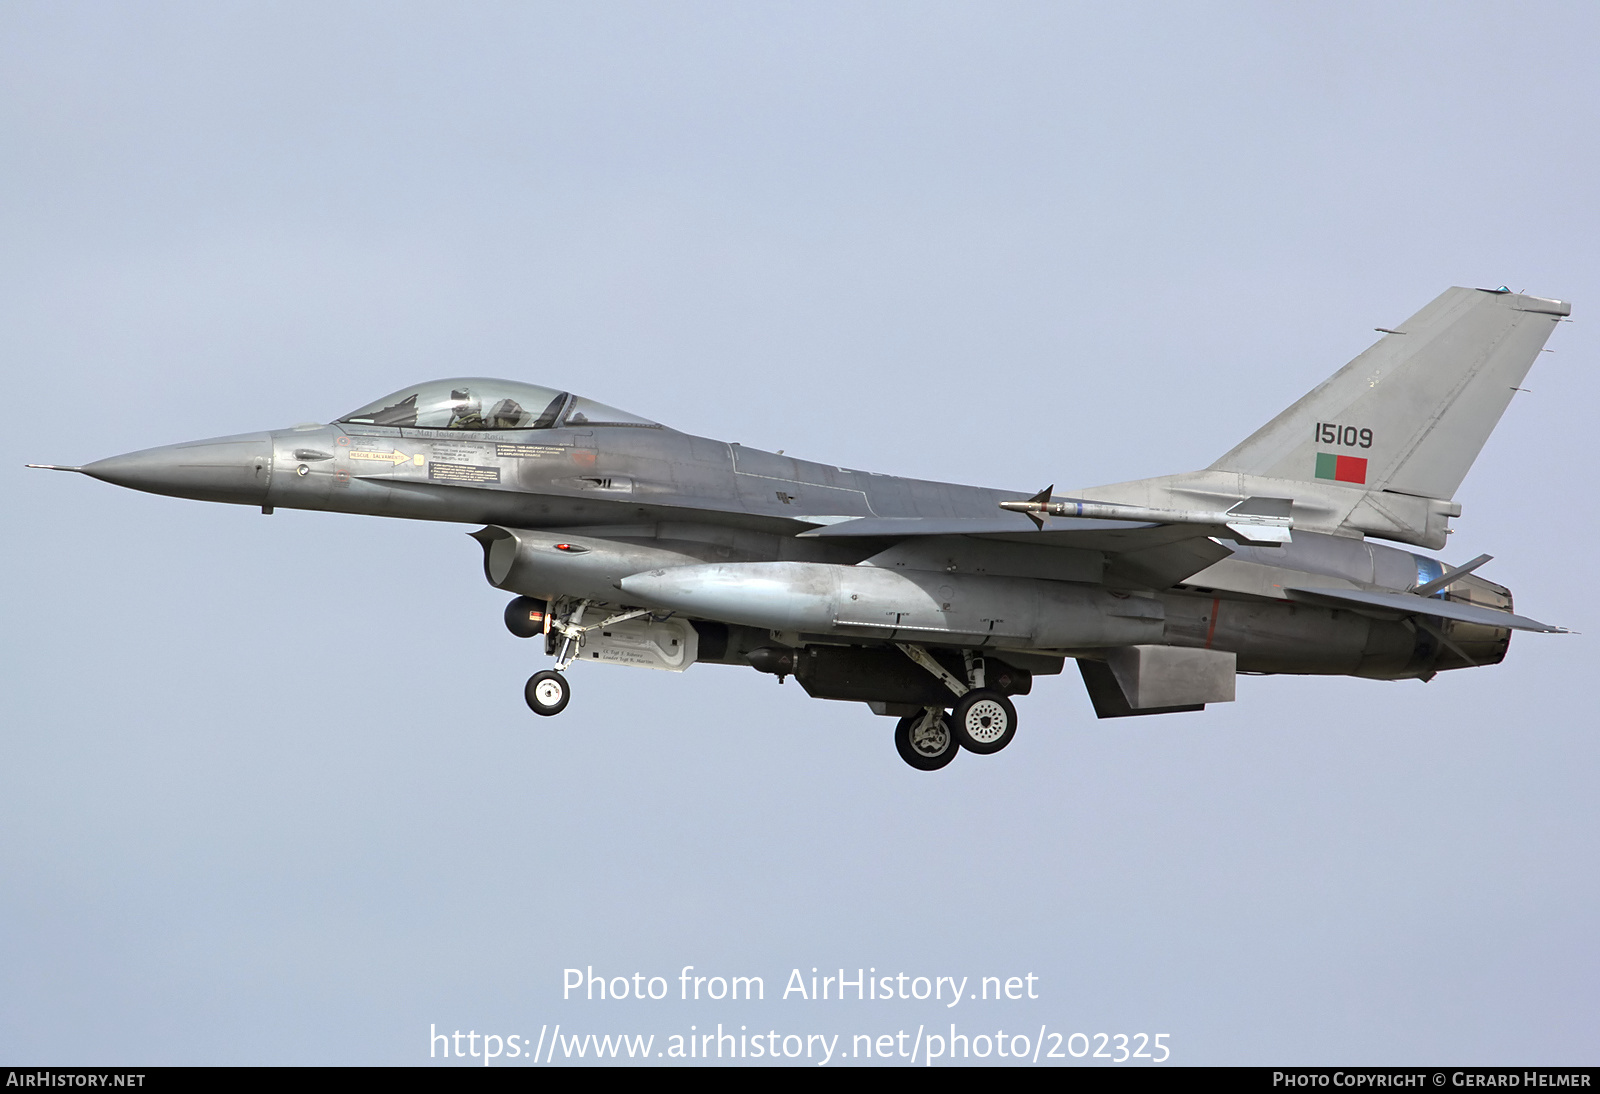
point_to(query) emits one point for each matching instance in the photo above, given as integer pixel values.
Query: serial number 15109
(1347, 435)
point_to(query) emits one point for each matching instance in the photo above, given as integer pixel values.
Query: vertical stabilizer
(1410, 414)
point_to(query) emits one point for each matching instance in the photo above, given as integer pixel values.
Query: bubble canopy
(477, 403)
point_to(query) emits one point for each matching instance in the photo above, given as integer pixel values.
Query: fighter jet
(627, 542)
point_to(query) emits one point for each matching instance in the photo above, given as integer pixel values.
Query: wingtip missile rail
(1256, 521)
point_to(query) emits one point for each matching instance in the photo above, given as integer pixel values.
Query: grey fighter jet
(630, 543)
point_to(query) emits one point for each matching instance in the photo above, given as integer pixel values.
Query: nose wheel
(547, 692)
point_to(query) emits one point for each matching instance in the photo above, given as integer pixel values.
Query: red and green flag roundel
(1341, 468)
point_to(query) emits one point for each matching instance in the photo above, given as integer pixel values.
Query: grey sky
(268, 791)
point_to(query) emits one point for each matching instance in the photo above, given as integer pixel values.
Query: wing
(1154, 555)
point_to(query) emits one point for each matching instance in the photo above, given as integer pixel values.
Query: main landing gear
(984, 721)
(926, 741)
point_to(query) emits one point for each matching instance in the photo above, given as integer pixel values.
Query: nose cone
(235, 469)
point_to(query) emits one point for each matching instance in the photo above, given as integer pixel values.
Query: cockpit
(476, 403)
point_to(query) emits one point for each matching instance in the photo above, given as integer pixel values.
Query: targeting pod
(527, 617)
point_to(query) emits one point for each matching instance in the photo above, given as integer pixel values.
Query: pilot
(465, 411)
(507, 414)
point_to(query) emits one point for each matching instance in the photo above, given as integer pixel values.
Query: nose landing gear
(560, 621)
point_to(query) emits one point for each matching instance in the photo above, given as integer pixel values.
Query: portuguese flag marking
(1341, 468)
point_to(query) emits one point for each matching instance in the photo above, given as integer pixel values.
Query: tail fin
(1410, 414)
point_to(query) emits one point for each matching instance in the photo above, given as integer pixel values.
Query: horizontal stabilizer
(1411, 604)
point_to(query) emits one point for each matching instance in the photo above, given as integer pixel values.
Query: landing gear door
(672, 644)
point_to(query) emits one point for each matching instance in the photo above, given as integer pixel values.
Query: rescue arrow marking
(386, 457)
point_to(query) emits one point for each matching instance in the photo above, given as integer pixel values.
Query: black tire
(547, 692)
(984, 721)
(918, 744)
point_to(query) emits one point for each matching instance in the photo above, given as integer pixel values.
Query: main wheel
(984, 721)
(547, 692)
(925, 741)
